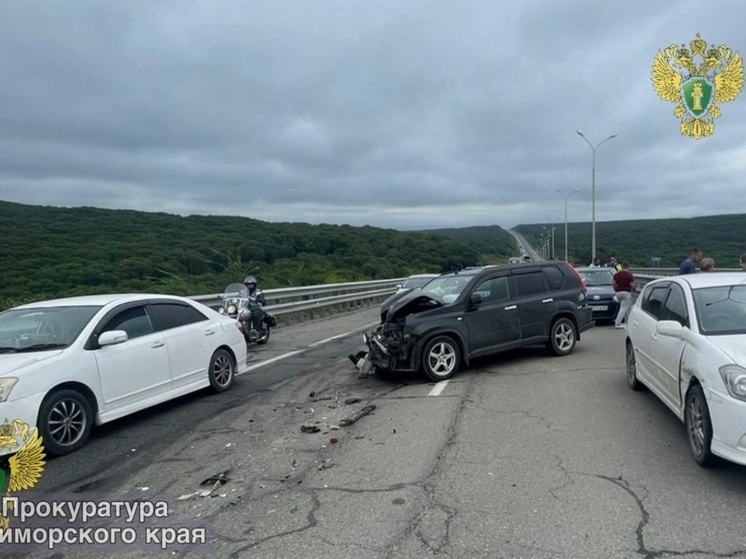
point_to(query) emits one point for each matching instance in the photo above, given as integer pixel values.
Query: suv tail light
(577, 275)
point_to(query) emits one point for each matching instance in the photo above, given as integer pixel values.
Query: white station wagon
(686, 342)
(68, 364)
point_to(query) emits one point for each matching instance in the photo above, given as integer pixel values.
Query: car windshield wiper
(40, 347)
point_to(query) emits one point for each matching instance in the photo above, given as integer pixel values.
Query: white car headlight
(734, 378)
(232, 309)
(6, 385)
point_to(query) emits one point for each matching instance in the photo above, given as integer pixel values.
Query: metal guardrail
(645, 275)
(658, 272)
(296, 304)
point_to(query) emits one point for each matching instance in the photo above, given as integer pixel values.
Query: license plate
(600, 308)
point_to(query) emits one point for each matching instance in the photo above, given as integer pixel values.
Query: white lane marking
(268, 361)
(438, 388)
(296, 352)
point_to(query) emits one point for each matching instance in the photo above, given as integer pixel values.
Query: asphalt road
(522, 455)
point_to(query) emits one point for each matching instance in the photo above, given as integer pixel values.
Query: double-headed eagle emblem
(698, 88)
(24, 468)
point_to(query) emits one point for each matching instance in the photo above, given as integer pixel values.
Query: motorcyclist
(255, 294)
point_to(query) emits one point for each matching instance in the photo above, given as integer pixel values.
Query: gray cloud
(395, 114)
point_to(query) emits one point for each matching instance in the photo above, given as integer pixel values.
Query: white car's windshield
(448, 288)
(721, 310)
(24, 330)
(414, 283)
(597, 278)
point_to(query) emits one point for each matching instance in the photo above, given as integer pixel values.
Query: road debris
(219, 478)
(309, 429)
(355, 416)
(350, 401)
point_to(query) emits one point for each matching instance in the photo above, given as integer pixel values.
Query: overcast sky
(405, 114)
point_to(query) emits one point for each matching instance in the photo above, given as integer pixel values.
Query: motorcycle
(236, 303)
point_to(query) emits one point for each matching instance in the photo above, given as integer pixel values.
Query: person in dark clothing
(689, 266)
(624, 285)
(256, 295)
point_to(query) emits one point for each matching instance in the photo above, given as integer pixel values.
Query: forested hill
(53, 252)
(722, 237)
(488, 239)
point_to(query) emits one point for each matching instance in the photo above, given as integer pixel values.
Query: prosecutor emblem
(698, 79)
(22, 470)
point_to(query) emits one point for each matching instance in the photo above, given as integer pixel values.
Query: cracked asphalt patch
(521, 456)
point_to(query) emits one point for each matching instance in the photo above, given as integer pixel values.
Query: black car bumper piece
(585, 318)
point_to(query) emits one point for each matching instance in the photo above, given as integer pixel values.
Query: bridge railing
(297, 304)
(671, 271)
(644, 275)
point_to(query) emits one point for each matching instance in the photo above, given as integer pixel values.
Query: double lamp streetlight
(593, 189)
(593, 195)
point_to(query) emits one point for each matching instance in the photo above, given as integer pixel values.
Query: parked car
(599, 282)
(462, 315)
(686, 337)
(68, 364)
(416, 281)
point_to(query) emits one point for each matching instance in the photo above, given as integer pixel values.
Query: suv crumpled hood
(414, 301)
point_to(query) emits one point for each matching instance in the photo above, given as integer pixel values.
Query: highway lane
(521, 455)
(524, 246)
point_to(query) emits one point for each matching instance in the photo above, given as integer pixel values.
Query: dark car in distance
(471, 313)
(599, 282)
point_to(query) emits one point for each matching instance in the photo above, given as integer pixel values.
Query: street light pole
(566, 199)
(551, 221)
(593, 189)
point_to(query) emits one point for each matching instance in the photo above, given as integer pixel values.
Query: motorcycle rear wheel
(265, 336)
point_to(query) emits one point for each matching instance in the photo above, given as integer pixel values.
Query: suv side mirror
(475, 300)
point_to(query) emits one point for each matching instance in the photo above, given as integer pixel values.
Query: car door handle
(157, 344)
(511, 307)
(655, 336)
(209, 332)
(548, 300)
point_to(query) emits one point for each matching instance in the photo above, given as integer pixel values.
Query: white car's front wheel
(65, 421)
(698, 426)
(222, 370)
(634, 384)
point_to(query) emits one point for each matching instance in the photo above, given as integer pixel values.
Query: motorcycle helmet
(249, 280)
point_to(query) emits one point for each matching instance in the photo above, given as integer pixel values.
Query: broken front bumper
(382, 353)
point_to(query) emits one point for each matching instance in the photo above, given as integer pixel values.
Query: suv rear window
(555, 278)
(529, 284)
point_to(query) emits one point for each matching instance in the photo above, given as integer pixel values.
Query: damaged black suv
(462, 315)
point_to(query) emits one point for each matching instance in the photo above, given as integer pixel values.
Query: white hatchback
(68, 364)
(686, 342)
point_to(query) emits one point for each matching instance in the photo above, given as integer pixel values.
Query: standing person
(743, 262)
(596, 263)
(256, 295)
(707, 265)
(689, 266)
(614, 264)
(624, 284)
